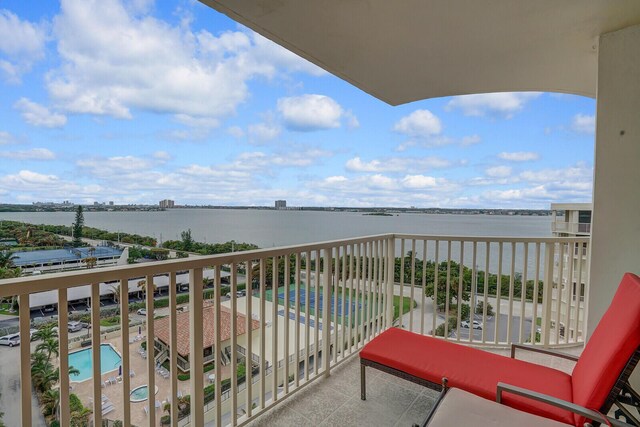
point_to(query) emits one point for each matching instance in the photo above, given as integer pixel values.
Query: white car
(476, 324)
(10, 340)
(143, 311)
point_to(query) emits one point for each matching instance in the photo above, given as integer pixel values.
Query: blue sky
(137, 101)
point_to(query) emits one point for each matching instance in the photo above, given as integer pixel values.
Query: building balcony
(315, 306)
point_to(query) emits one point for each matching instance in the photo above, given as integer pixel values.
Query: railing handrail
(65, 280)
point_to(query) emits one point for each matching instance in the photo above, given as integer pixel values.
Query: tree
(45, 334)
(142, 285)
(6, 259)
(77, 227)
(187, 240)
(115, 293)
(50, 346)
(51, 401)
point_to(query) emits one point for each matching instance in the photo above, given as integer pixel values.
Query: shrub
(75, 404)
(480, 308)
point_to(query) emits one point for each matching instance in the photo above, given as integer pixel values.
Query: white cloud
(419, 124)
(503, 104)
(397, 164)
(310, 112)
(6, 138)
(21, 45)
(33, 154)
(265, 131)
(498, 171)
(470, 140)
(109, 167)
(162, 156)
(39, 115)
(126, 60)
(235, 131)
(519, 156)
(419, 181)
(584, 123)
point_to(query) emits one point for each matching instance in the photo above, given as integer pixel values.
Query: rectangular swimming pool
(82, 361)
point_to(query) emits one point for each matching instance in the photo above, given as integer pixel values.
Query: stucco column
(615, 233)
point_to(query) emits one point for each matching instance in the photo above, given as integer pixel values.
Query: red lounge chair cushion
(612, 344)
(470, 369)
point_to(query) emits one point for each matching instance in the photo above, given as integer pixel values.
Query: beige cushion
(460, 408)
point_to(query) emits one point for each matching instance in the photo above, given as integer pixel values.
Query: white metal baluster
(95, 353)
(369, 286)
(316, 314)
(534, 319)
(173, 349)
(379, 286)
(285, 306)
(424, 286)
(263, 353)
(569, 292)
(578, 295)
(511, 289)
(413, 283)
(249, 328)
(400, 311)
(217, 307)
(435, 288)
(365, 295)
(326, 312)
(560, 284)
(547, 292)
(343, 301)
(307, 314)
(485, 295)
(63, 343)
(274, 326)
(24, 321)
(459, 296)
(474, 288)
(351, 299)
(523, 293)
(498, 293)
(233, 281)
(196, 358)
(374, 291)
(335, 283)
(297, 323)
(389, 281)
(447, 291)
(360, 304)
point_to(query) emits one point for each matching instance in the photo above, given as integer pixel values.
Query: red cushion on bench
(611, 345)
(470, 369)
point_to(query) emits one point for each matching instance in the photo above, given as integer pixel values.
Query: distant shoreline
(383, 211)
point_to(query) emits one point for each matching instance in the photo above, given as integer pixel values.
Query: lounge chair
(132, 373)
(146, 410)
(598, 378)
(107, 408)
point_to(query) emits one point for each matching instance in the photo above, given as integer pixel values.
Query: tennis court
(318, 305)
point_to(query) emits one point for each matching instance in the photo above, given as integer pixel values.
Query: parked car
(32, 332)
(74, 326)
(476, 324)
(10, 340)
(143, 311)
(238, 294)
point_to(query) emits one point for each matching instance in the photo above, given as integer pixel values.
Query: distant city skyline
(172, 100)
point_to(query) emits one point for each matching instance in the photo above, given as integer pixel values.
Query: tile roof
(182, 322)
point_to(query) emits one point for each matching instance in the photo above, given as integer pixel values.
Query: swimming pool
(82, 361)
(140, 394)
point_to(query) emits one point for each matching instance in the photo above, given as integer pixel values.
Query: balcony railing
(315, 306)
(571, 227)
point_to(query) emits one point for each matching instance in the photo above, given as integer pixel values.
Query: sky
(140, 100)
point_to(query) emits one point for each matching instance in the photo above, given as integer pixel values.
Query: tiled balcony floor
(390, 401)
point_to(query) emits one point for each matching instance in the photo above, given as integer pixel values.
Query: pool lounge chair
(598, 381)
(132, 373)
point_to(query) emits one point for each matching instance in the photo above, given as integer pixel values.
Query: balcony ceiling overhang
(406, 50)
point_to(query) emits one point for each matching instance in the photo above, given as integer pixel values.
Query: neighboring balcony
(571, 227)
(302, 313)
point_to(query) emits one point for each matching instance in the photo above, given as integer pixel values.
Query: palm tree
(80, 418)
(115, 293)
(6, 259)
(74, 371)
(142, 285)
(38, 358)
(50, 346)
(51, 401)
(44, 376)
(45, 334)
